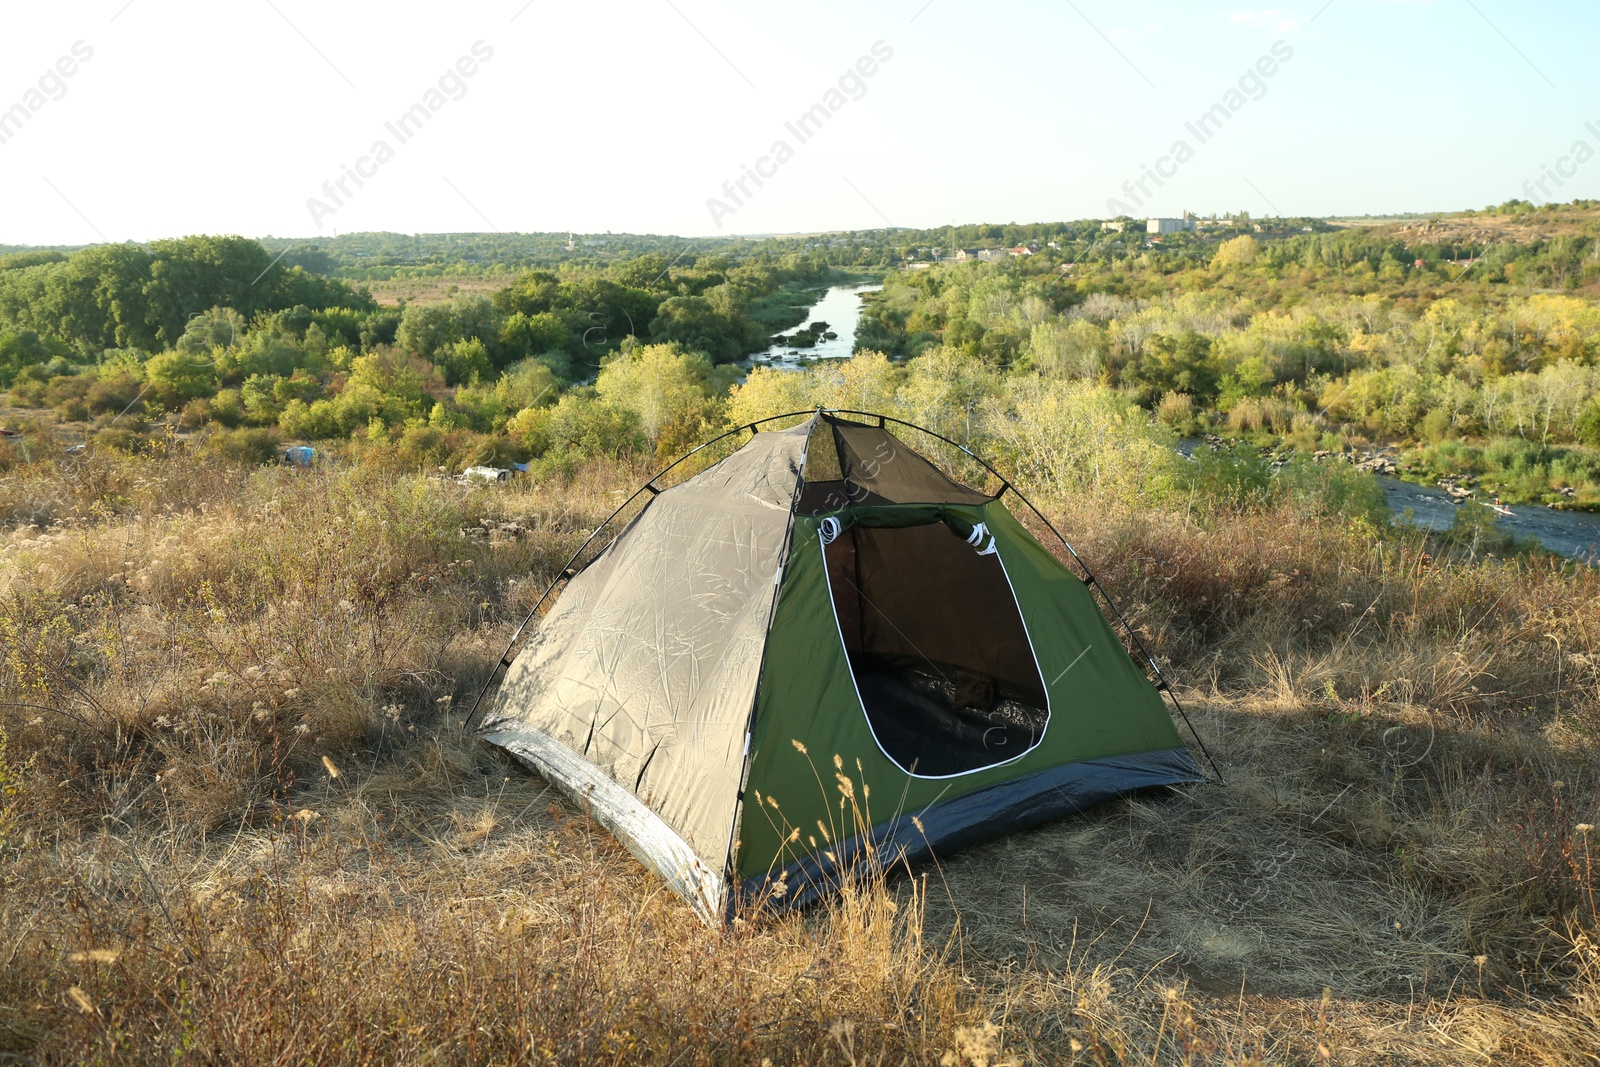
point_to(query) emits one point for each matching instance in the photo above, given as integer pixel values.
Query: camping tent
(826, 612)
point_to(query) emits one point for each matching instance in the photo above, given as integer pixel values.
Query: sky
(159, 118)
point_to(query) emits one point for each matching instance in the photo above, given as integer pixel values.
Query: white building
(1183, 225)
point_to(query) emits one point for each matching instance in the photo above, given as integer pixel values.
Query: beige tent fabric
(647, 666)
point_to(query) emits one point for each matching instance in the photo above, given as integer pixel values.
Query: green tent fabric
(821, 645)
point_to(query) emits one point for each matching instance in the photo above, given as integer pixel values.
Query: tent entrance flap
(937, 647)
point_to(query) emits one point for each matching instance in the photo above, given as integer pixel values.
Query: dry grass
(249, 829)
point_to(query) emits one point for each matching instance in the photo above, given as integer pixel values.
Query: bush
(1230, 480)
(1062, 437)
(10, 792)
(1477, 529)
(122, 439)
(1257, 414)
(114, 394)
(69, 397)
(1435, 425)
(251, 446)
(423, 447)
(1177, 411)
(227, 407)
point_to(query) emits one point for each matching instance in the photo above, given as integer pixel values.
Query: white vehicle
(485, 474)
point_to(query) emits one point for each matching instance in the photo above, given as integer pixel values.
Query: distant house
(1111, 227)
(966, 255)
(993, 255)
(1022, 250)
(1183, 225)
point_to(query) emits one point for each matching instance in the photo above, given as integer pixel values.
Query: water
(840, 308)
(1571, 533)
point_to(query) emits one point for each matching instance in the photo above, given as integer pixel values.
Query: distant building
(1183, 225)
(966, 255)
(1022, 250)
(993, 255)
(1111, 227)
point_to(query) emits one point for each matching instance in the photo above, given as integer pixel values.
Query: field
(240, 822)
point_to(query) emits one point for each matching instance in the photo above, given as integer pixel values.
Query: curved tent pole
(1089, 579)
(567, 572)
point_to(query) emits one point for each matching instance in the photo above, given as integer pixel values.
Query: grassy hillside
(239, 820)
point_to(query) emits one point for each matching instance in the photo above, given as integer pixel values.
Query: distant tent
(826, 591)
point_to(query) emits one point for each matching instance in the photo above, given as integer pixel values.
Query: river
(840, 308)
(1571, 533)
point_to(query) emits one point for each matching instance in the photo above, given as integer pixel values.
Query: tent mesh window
(937, 647)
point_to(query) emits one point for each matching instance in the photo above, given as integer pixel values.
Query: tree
(465, 362)
(662, 384)
(1067, 349)
(1239, 252)
(1179, 363)
(426, 328)
(523, 335)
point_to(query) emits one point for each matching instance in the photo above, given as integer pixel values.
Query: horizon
(1399, 216)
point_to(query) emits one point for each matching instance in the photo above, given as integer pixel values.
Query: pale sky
(190, 117)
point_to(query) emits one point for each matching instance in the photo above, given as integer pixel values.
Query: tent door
(937, 647)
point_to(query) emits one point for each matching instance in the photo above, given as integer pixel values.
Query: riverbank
(1459, 507)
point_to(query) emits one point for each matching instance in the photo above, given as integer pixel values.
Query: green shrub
(422, 447)
(1228, 479)
(1477, 528)
(227, 407)
(123, 439)
(1435, 425)
(248, 446)
(114, 394)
